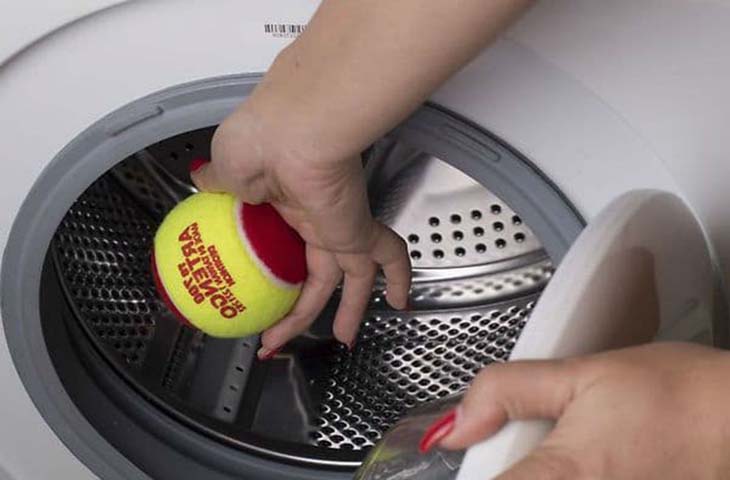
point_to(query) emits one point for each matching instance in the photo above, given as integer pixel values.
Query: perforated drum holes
(400, 362)
(102, 247)
(137, 181)
(503, 235)
(451, 230)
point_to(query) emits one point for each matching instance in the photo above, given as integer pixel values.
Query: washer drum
(478, 269)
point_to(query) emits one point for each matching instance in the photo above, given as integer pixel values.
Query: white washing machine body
(603, 97)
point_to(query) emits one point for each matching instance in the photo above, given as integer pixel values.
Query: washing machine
(565, 192)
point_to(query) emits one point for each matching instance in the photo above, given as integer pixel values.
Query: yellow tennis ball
(226, 267)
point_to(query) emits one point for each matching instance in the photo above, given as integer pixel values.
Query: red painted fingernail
(270, 354)
(196, 164)
(437, 431)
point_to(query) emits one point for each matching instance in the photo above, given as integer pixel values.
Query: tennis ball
(226, 267)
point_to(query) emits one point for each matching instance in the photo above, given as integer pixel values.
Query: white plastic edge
(648, 223)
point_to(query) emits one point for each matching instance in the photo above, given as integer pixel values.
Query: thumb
(205, 176)
(512, 391)
(210, 176)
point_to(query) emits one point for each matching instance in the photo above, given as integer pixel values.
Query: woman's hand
(348, 79)
(257, 155)
(658, 411)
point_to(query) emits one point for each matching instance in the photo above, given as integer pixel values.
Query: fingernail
(266, 354)
(196, 164)
(437, 431)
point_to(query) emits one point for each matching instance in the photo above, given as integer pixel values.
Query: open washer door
(640, 270)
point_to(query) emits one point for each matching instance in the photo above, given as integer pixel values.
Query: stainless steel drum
(478, 269)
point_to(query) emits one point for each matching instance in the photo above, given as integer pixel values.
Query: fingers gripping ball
(225, 267)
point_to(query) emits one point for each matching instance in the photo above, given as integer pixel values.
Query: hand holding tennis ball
(225, 267)
(264, 155)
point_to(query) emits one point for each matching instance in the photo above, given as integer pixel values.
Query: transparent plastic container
(397, 457)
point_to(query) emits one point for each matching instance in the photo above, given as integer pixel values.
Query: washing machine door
(24, 23)
(640, 271)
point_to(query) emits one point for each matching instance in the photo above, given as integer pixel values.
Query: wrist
(303, 123)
